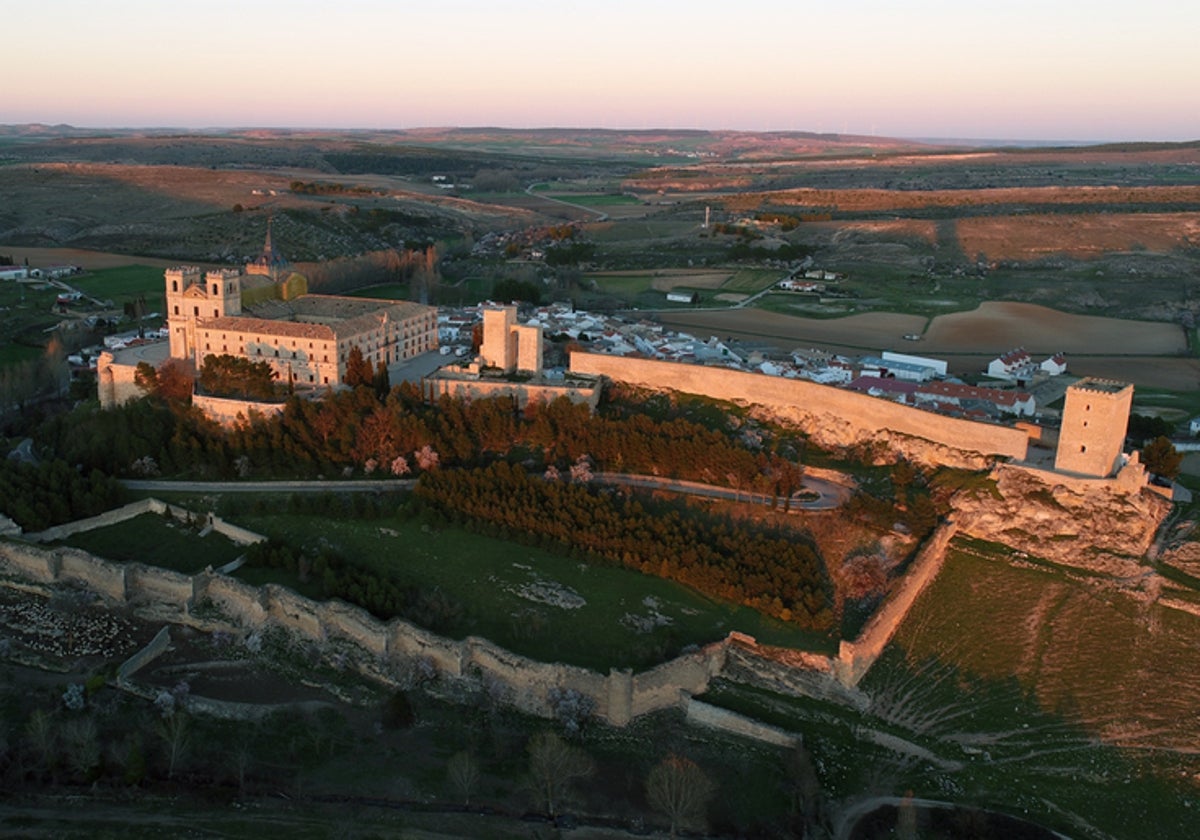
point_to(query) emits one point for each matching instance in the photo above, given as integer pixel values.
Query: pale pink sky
(1096, 70)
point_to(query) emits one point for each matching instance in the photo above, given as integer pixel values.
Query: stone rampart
(834, 417)
(100, 576)
(524, 392)
(407, 641)
(230, 412)
(618, 697)
(293, 612)
(339, 620)
(714, 717)
(789, 672)
(240, 602)
(234, 533)
(150, 585)
(28, 563)
(659, 687)
(135, 663)
(103, 520)
(856, 658)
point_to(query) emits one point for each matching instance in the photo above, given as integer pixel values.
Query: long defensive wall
(831, 416)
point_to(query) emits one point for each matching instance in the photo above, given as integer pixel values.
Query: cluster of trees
(417, 265)
(738, 561)
(570, 254)
(234, 376)
(52, 492)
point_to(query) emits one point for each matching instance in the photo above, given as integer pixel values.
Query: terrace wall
(832, 416)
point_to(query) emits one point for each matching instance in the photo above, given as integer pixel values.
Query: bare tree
(554, 767)
(680, 790)
(176, 734)
(462, 771)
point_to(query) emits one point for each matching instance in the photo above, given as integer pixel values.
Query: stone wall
(834, 417)
(115, 383)
(135, 663)
(230, 412)
(103, 520)
(524, 392)
(213, 600)
(714, 717)
(856, 658)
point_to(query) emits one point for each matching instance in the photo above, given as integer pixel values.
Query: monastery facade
(305, 340)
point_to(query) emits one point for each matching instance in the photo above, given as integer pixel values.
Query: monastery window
(276, 352)
(1087, 407)
(176, 309)
(216, 289)
(174, 285)
(216, 314)
(326, 382)
(196, 311)
(206, 347)
(1083, 448)
(224, 348)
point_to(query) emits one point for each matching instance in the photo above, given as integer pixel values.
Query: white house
(1055, 365)
(1015, 364)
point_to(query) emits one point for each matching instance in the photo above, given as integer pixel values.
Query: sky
(1063, 70)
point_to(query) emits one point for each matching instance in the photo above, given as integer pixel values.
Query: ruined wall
(714, 717)
(230, 412)
(213, 600)
(158, 645)
(525, 393)
(834, 417)
(109, 517)
(856, 658)
(235, 533)
(659, 687)
(115, 382)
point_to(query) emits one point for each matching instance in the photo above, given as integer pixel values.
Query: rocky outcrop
(1101, 525)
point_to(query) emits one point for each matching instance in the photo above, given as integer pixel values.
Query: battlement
(1100, 387)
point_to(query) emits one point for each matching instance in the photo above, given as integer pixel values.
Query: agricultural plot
(124, 283)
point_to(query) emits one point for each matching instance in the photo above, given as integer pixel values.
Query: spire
(270, 260)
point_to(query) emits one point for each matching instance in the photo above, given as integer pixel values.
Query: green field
(125, 283)
(503, 590)
(154, 540)
(1022, 690)
(750, 281)
(596, 200)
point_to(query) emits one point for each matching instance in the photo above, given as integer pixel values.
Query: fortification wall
(832, 416)
(524, 392)
(659, 687)
(115, 381)
(28, 563)
(103, 520)
(158, 645)
(339, 620)
(293, 612)
(714, 717)
(100, 576)
(230, 412)
(150, 585)
(406, 640)
(235, 533)
(241, 602)
(524, 683)
(856, 658)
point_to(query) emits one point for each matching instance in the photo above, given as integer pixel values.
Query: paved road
(830, 494)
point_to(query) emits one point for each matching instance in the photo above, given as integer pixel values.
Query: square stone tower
(509, 346)
(1094, 420)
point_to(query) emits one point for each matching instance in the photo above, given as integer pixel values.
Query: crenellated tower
(1094, 420)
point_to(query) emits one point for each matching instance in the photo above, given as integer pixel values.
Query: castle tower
(1094, 420)
(508, 345)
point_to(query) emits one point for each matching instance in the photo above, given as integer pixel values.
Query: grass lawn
(750, 281)
(123, 283)
(153, 540)
(596, 200)
(533, 602)
(625, 285)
